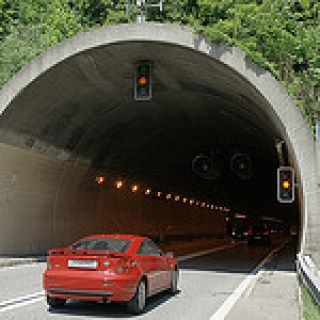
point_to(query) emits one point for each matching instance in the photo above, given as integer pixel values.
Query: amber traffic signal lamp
(285, 185)
(143, 82)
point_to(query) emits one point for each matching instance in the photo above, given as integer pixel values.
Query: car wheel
(174, 282)
(137, 304)
(55, 302)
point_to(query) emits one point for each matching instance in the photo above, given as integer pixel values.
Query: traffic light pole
(142, 9)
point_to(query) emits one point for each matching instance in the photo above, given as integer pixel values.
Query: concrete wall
(46, 202)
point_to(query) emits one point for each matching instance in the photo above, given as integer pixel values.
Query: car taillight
(124, 266)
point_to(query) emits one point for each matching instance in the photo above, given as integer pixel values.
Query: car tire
(174, 281)
(137, 304)
(55, 302)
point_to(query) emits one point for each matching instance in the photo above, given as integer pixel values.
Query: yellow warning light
(159, 194)
(286, 184)
(134, 188)
(142, 80)
(148, 191)
(100, 179)
(119, 184)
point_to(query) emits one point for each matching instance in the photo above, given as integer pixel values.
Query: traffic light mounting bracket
(142, 8)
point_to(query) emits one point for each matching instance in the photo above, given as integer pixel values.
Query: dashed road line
(21, 301)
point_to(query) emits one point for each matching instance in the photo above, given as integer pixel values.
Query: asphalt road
(205, 284)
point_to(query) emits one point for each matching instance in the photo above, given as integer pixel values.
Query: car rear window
(109, 244)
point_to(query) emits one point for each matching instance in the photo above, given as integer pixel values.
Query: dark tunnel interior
(201, 114)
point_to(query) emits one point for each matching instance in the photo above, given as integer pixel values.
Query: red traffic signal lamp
(143, 81)
(285, 185)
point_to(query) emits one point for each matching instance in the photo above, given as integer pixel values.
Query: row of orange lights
(135, 188)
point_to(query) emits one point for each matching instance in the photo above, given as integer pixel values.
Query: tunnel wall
(265, 90)
(47, 202)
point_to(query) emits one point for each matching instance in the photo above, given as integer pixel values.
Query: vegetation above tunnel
(282, 36)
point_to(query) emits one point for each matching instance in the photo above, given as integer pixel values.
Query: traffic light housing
(286, 185)
(143, 81)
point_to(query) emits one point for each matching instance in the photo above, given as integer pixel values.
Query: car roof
(116, 236)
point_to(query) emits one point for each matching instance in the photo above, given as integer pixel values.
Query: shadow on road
(243, 259)
(112, 310)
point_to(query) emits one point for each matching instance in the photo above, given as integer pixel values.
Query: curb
(11, 262)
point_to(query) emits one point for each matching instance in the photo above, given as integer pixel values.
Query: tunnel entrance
(70, 117)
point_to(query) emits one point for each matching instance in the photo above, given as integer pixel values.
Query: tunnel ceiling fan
(241, 165)
(205, 166)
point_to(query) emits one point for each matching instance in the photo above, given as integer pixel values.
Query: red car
(109, 268)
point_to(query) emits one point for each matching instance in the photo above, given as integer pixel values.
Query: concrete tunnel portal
(70, 116)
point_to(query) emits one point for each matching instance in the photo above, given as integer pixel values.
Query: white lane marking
(202, 253)
(38, 296)
(229, 303)
(21, 301)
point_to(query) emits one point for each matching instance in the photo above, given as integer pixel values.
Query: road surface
(209, 289)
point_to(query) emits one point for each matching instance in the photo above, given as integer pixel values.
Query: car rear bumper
(90, 286)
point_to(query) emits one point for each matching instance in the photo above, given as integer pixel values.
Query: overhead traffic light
(143, 82)
(286, 185)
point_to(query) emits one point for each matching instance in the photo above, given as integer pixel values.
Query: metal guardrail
(309, 275)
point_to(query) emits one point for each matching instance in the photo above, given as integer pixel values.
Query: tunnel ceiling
(85, 105)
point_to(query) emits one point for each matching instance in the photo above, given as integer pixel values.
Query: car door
(151, 261)
(165, 273)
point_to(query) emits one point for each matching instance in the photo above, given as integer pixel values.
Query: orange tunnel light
(119, 184)
(134, 188)
(100, 179)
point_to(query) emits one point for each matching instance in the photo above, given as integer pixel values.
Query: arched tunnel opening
(200, 152)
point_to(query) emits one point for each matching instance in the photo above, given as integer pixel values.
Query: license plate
(87, 264)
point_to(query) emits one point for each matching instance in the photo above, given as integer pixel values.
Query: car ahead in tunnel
(239, 232)
(109, 268)
(259, 234)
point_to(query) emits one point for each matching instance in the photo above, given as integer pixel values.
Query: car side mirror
(168, 254)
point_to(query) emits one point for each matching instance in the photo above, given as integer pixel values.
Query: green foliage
(19, 47)
(282, 36)
(311, 311)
